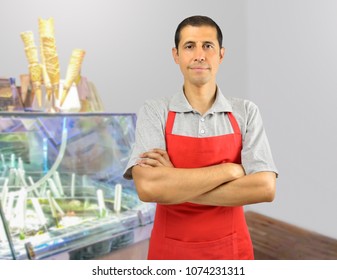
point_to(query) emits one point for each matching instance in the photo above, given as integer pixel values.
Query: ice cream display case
(61, 185)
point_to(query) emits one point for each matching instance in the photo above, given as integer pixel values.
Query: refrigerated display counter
(62, 194)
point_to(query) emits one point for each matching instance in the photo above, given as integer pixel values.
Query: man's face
(199, 54)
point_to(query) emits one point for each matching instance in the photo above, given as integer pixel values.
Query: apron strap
(170, 121)
(234, 123)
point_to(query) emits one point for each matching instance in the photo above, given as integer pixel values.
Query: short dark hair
(197, 21)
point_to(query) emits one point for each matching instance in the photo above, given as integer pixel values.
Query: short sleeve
(256, 154)
(150, 134)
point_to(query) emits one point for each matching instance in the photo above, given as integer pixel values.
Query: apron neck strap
(170, 121)
(234, 123)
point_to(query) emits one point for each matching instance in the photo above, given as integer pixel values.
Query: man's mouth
(200, 68)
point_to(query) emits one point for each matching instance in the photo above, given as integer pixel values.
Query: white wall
(280, 54)
(292, 66)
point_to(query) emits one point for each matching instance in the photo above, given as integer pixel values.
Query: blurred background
(282, 55)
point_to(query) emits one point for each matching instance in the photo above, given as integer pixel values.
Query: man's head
(198, 50)
(197, 21)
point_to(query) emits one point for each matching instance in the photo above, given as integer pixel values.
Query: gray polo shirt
(151, 121)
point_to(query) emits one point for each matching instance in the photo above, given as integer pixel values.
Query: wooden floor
(276, 240)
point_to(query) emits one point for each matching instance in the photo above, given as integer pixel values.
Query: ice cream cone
(51, 62)
(73, 71)
(46, 27)
(28, 39)
(30, 48)
(35, 72)
(32, 55)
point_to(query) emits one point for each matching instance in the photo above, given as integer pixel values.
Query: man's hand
(155, 158)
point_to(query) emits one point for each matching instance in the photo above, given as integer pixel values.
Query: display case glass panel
(61, 185)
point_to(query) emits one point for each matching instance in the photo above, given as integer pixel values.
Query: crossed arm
(225, 184)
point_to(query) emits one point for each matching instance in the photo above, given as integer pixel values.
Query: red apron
(194, 231)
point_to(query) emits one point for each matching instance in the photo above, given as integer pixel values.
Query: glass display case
(61, 185)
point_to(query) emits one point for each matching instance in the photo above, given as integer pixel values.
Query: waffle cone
(73, 71)
(46, 27)
(35, 72)
(32, 55)
(74, 67)
(28, 38)
(51, 62)
(53, 70)
(48, 47)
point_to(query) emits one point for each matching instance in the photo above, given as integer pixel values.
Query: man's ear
(222, 54)
(175, 55)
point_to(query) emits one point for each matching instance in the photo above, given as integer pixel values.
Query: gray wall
(128, 43)
(292, 66)
(280, 54)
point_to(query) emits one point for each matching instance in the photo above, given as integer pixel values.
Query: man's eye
(188, 46)
(208, 46)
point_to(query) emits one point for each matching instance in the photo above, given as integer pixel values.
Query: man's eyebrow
(204, 42)
(209, 42)
(188, 42)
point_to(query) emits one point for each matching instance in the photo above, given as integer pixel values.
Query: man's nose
(199, 55)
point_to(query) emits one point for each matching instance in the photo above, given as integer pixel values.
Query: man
(201, 157)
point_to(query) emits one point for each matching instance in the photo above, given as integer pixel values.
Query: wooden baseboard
(277, 240)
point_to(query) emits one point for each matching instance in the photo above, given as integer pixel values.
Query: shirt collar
(180, 104)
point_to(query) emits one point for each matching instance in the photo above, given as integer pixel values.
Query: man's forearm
(176, 185)
(253, 188)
